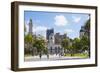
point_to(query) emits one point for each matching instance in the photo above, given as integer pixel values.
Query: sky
(61, 22)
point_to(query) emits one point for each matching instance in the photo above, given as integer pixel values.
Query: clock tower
(30, 26)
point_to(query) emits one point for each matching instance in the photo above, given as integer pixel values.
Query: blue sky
(62, 22)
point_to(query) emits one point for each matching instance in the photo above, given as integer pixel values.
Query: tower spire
(30, 26)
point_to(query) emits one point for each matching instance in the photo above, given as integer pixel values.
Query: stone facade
(85, 32)
(54, 42)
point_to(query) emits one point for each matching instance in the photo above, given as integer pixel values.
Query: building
(30, 26)
(58, 41)
(50, 40)
(54, 42)
(49, 32)
(84, 31)
(59, 38)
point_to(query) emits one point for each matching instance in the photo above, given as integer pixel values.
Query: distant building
(50, 40)
(49, 32)
(54, 42)
(59, 38)
(83, 32)
(30, 26)
(85, 29)
(58, 41)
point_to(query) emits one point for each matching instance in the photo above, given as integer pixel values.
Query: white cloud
(60, 20)
(76, 19)
(88, 18)
(69, 30)
(39, 28)
(27, 27)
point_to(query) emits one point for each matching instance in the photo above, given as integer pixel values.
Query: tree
(24, 28)
(71, 50)
(76, 45)
(29, 40)
(85, 44)
(85, 41)
(40, 45)
(65, 44)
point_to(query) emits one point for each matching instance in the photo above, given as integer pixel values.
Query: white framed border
(23, 64)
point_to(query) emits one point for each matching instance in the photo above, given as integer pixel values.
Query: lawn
(82, 55)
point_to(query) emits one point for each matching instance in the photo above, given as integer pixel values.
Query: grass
(81, 55)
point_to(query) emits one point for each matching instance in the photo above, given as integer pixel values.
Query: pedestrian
(40, 55)
(48, 56)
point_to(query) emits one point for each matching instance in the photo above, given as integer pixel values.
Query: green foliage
(28, 38)
(85, 43)
(76, 44)
(24, 28)
(85, 40)
(65, 43)
(39, 43)
(82, 55)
